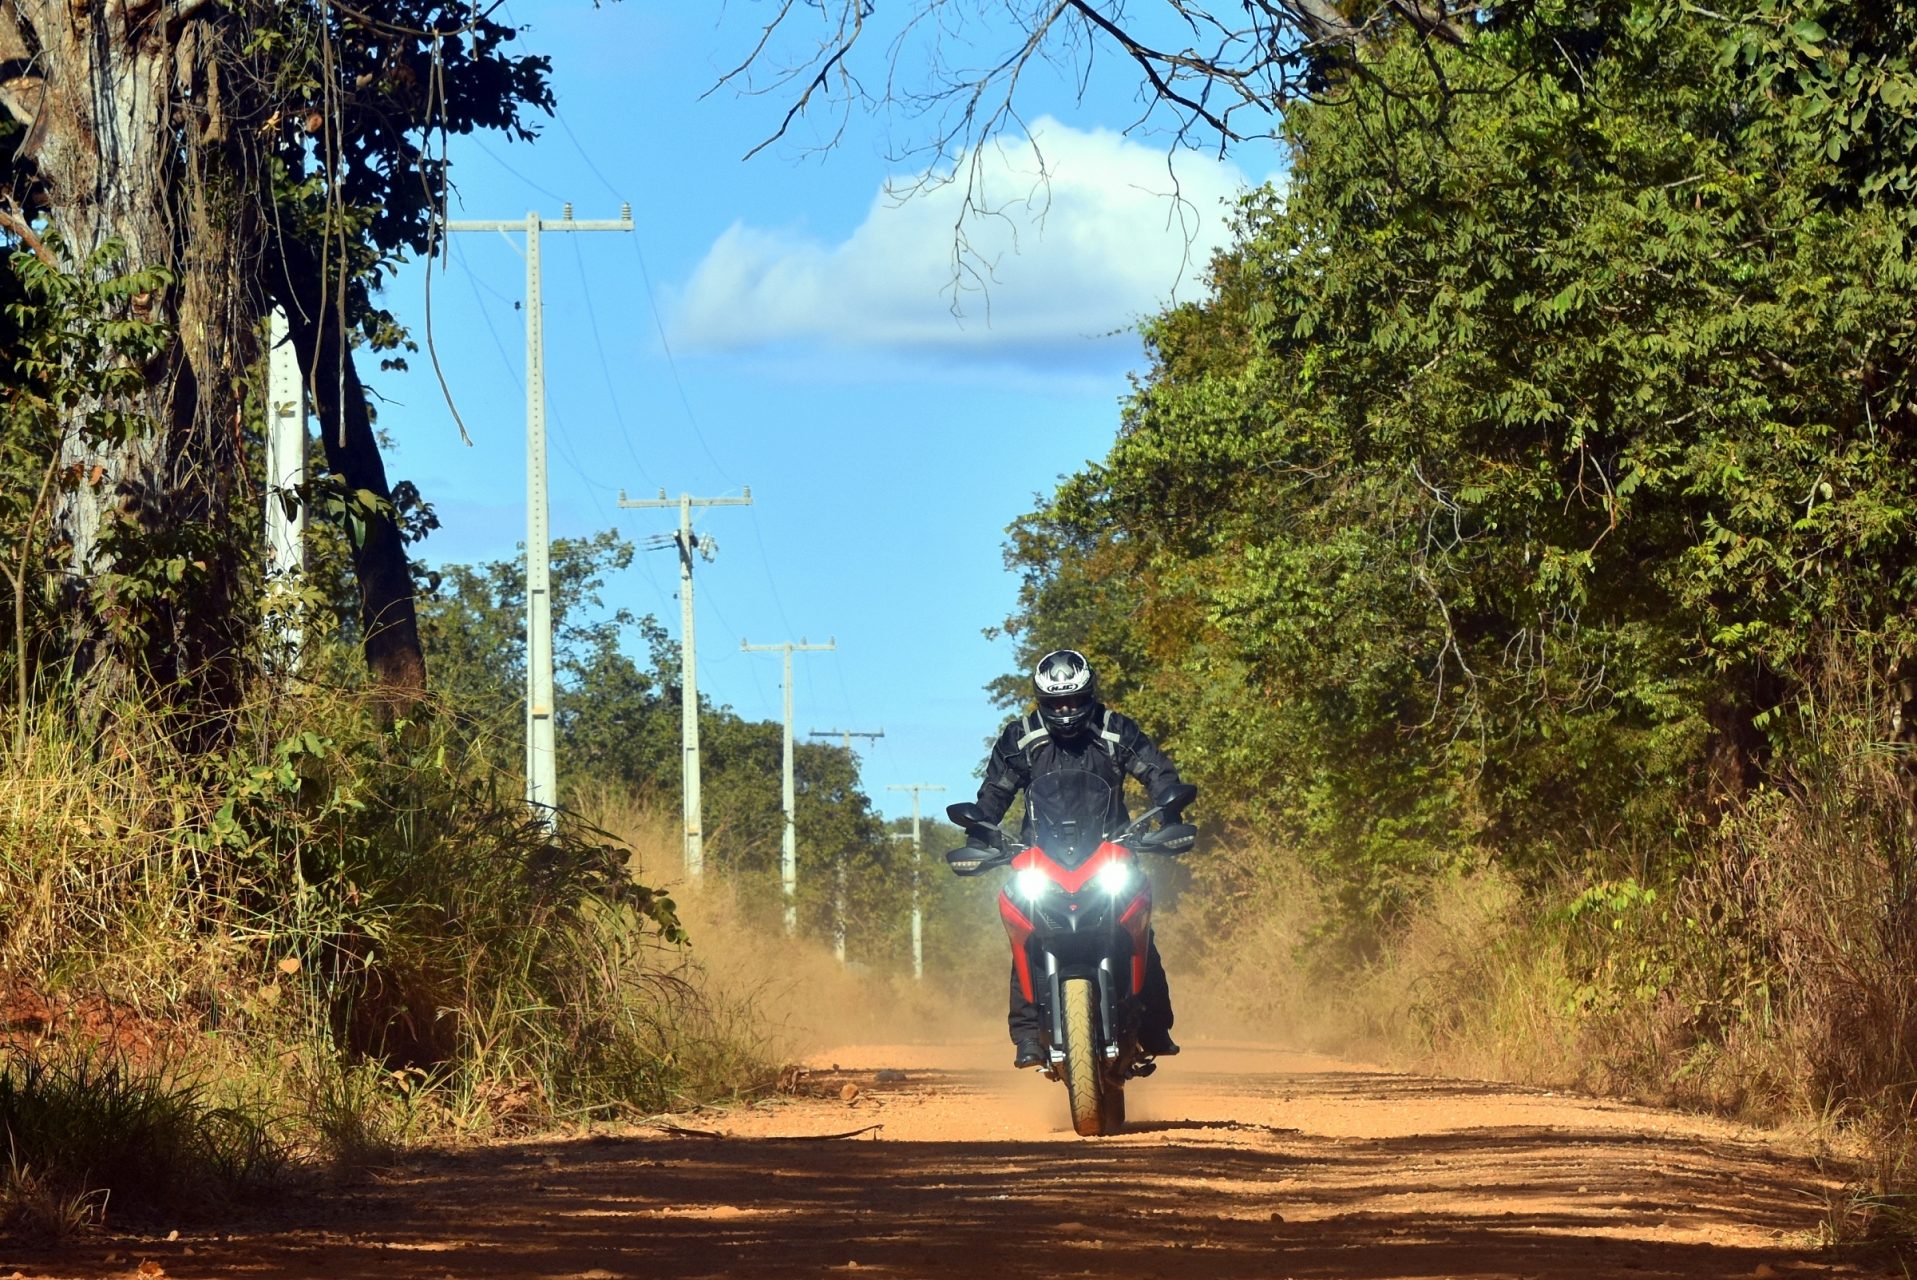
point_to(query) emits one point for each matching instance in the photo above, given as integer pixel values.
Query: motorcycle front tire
(1081, 1057)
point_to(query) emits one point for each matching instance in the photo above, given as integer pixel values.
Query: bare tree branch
(1148, 60)
(818, 82)
(12, 222)
(1211, 73)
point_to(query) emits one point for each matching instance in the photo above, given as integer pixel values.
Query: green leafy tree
(619, 726)
(611, 712)
(239, 154)
(1510, 488)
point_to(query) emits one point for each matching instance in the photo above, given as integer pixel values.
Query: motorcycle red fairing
(1135, 918)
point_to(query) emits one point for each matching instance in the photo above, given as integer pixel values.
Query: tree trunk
(147, 125)
(128, 141)
(389, 624)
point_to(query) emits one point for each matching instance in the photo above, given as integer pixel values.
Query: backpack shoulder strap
(1033, 732)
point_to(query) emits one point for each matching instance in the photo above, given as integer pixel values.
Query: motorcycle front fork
(1114, 990)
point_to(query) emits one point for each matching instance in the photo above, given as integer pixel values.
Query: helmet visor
(1066, 714)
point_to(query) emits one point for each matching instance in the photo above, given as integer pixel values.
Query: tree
(613, 715)
(618, 726)
(1512, 489)
(246, 153)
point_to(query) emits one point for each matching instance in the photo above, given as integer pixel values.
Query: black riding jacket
(1112, 747)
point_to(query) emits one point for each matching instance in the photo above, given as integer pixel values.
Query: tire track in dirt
(1242, 1163)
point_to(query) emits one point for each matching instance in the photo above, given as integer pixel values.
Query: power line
(500, 161)
(678, 383)
(605, 366)
(652, 304)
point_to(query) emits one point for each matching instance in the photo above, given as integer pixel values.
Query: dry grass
(1775, 979)
(339, 938)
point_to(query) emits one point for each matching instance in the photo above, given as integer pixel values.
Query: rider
(1072, 729)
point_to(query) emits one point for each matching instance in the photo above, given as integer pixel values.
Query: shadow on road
(1176, 1200)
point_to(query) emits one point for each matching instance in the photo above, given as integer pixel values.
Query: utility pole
(542, 787)
(838, 859)
(285, 463)
(789, 850)
(690, 807)
(918, 859)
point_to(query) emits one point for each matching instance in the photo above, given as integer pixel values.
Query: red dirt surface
(1241, 1163)
(31, 1022)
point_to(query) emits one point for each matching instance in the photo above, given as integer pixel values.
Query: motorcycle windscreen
(1069, 811)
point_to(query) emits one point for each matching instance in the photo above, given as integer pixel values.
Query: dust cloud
(792, 995)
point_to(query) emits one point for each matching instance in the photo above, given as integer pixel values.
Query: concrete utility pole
(542, 787)
(690, 807)
(838, 859)
(918, 859)
(285, 462)
(789, 853)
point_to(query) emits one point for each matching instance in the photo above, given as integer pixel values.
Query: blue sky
(785, 323)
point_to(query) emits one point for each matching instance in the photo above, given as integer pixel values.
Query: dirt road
(1242, 1163)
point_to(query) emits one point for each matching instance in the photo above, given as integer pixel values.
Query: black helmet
(1067, 690)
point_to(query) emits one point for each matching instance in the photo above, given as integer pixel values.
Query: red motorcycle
(1078, 912)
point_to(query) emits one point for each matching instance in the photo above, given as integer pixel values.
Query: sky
(790, 323)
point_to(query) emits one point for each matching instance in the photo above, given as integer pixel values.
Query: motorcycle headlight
(1117, 877)
(1030, 883)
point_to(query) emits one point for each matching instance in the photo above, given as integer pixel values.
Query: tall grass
(83, 1136)
(1770, 974)
(345, 934)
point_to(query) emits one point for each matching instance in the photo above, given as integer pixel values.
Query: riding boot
(1155, 1009)
(1021, 1018)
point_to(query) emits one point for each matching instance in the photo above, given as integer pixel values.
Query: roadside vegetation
(270, 898)
(341, 933)
(1517, 542)
(331, 940)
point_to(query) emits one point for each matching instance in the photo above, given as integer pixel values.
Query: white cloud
(1104, 239)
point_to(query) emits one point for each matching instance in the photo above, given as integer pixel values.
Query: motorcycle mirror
(1170, 840)
(966, 814)
(975, 824)
(1175, 800)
